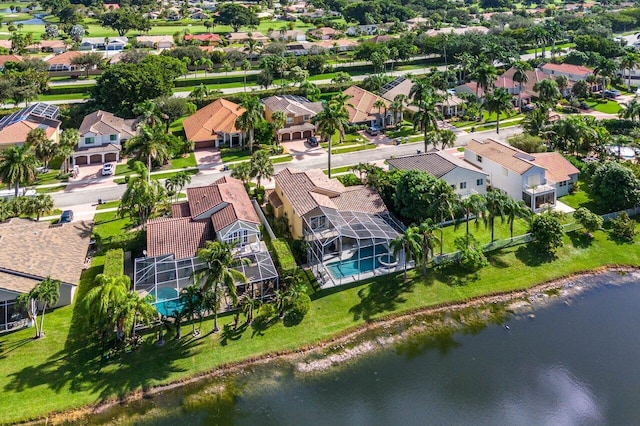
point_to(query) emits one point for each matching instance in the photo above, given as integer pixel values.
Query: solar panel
(392, 84)
(39, 109)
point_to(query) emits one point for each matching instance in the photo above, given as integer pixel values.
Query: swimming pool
(351, 266)
(168, 301)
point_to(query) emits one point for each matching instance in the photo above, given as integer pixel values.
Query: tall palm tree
(498, 102)
(605, 68)
(102, 301)
(485, 77)
(29, 302)
(150, 144)
(41, 204)
(408, 243)
(396, 108)
(261, 166)
(495, 204)
(630, 62)
(18, 166)
(251, 117)
(473, 205)
(149, 113)
(217, 275)
(553, 32)
(331, 119)
(242, 171)
(514, 209)
(521, 77)
(563, 83)
(245, 66)
(427, 116)
(443, 206)
(66, 147)
(428, 241)
(548, 92)
(132, 310)
(191, 298)
(199, 93)
(380, 104)
(278, 121)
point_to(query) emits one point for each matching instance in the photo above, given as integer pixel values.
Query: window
(463, 185)
(113, 137)
(478, 159)
(479, 182)
(318, 222)
(289, 120)
(240, 237)
(89, 141)
(307, 117)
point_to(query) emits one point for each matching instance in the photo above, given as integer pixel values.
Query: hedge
(114, 263)
(68, 90)
(188, 82)
(283, 256)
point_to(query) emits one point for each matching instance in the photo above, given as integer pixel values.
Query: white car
(108, 169)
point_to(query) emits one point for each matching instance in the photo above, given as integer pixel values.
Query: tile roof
(273, 199)
(39, 249)
(219, 116)
(181, 236)
(51, 44)
(312, 188)
(567, 69)
(9, 58)
(505, 155)
(180, 209)
(158, 39)
(360, 105)
(203, 37)
(203, 198)
(559, 169)
(17, 132)
(436, 163)
(104, 123)
(17, 283)
(296, 105)
(64, 58)
(243, 36)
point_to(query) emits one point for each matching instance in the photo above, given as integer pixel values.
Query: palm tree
(498, 102)
(428, 241)
(473, 205)
(408, 243)
(29, 302)
(191, 298)
(521, 77)
(149, 113)
(495, 203)
(537, 33)
(131, 310)
(66, 147)
(251, 117)
(248, 305)
(41, 204)
(563, 83)
(102, 301)
(485, 77)
(381, 104)
(629, 62)
(174, 184)
(514, 209)
(199, 93)
(605, 68)
(278, 121)
(242, 171)
(630, 110)
(447, 138)
(426, 118)
(18, 166)
(548, 92)
(245, 66)
(150, 144)
(261, 166)
(217, 275)
(553, 32)
(333, 118)
(535, 121)
(396, 108)
(443, 206)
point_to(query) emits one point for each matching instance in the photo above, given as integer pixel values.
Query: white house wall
(99, 140)
(460, 174)
(253, 231)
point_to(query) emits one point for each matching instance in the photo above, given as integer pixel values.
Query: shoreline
(342, 340)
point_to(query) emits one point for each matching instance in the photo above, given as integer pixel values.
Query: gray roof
(296, 105)
(436, 163)
(104, 123)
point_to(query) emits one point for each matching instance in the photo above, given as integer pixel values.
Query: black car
(584, 105)
(66, 217)
(313, 141)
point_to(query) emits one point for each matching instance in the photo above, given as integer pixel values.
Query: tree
(77, 32)
(171, 108)
(199, 93)
(606, 68)
(141, 197)
(521, 77)
(629, 62)
(88, 60)
(341, 77)
(174, 184)
(40, 204)
(527, 143)
(615, 187)
(472, 205)
(29, 302)
(38, 141)
(581, 89)
(409, 244)
(485, 76)
(513, 210)
(261, 166)
(102, 301)
(396, 107)
(415, 195)
(563, 82)
(446, 137)
(236, 16)
(443, 206)
(18, 166)
(623, 227)
(498, 102)
(68, 140)
(217, 276)
(149, 145)
(471, 256)
(496, 201)
(547, 232)
(264, 79)
(191, 298)
(590, 221)
(426, 118)
(331, 119)
(242, 171)
(245, 66)
(548, 92)
(278, 121)
(121, 20)
(250, 118)
(428, 241)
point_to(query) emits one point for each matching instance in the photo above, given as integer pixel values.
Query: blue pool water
(167, 301)
(350, 266)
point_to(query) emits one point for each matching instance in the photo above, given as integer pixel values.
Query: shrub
(114, 263)
(623, 228)
(590, 221)
(265, 313)
(349, 179)
(471, 256)
(297, 310)
(547, 231)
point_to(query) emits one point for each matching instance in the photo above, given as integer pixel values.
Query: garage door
(286, 137)
(95, 159)
(80, 161)
(306, 134)
(296, 135)
(110, 157)
(204, 144)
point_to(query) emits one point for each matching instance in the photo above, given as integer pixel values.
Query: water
(575, 363)
(351, 266)
(168, 301)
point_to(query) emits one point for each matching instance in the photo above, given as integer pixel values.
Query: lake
(574, 362)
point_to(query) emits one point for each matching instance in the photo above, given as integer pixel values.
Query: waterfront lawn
(582, 198)
(481, 232)
(63, 370)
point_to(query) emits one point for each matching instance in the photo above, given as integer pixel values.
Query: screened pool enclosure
(350, 246)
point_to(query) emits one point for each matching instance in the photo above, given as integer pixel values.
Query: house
(6, 44)
(31, 252)
(362, 108)
(215, 125)
(560, 172)
(199, 15)
(221, 212)
(55, 46)
(14, 128)
(208, 39)
(572, 72)
(370, 29)
(523, 176)
(464, 178)
(341, 45)
(298, 49)
(102, 135)
(457, 31)
(417, 22)
(111, 6)
(63, 61)
(342, 225)
(471, 88)
(399, 86)
(8, 58)
(299, 113)
(287, 35)
(242, 37)
(325, 33)
(156, 42)
(103, 43)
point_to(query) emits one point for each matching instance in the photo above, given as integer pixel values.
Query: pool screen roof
(360, 226)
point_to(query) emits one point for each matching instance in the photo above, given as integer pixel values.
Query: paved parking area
(300, 149)
(208, 157)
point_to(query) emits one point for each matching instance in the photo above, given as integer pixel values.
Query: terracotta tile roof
(273, 199)
(104, 123)
(9, 58)
(566, 69)
(50, 44)
(64, 58)
(17, 133)
(219, 116)
(328, 31)
(203, 198)
(292, 105)
(505, 155)
(308, 190)
(559, 169)
(181, 237)
(208, 38)
(156, 39)
(180, 210)
(5, 44)
(234, 193)
(39, 249)
(360, 105)
(243, 36)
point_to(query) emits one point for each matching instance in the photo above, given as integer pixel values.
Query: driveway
(208, 158)
(300, 149)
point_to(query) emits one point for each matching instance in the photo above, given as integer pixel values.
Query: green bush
(623, 228)
(284, 256)
(68, 90)
(298, 309)
(114, 263)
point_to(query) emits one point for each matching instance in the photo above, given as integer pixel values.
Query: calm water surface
(576, 363)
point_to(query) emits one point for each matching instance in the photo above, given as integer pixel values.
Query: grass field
(64, 371)
(582, 198)
(608, 106)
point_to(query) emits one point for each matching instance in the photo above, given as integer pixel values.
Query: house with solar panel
(221, 211)
(14, 128)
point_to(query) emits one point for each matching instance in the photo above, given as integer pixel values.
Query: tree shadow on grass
(533, 255)
(380, 296)
(229, 333)
(580, 240)
(496, 259)
(453, 274)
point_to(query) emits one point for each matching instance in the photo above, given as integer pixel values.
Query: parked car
(373, 131)
(313, 141)
(66, 217)
(611, 94)
(583, 105)
(108, 169)
(528, 107)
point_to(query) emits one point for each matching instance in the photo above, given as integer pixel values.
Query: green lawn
(582, 198)
(63, 370)
(481, 232)
(182, 162)
(339, 169)
(48, 178)
(228, 155)
(50, 189)
(606, 106)
(353, 148)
